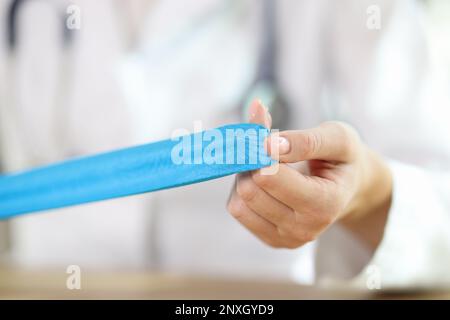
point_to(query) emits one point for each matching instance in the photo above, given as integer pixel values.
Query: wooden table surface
(45, 284)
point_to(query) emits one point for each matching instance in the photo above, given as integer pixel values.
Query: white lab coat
(330, 66)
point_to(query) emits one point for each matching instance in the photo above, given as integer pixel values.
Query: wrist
(367, 213)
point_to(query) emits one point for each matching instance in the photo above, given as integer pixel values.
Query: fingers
(331, 141)
(262, 203)
(259, 226)
(269, 219)
(304, 194)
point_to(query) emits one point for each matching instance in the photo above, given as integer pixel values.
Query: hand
(339, 179)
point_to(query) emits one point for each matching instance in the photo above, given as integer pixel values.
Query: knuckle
(246, 189)
(339, 126)
(347, 136)
(312, 143)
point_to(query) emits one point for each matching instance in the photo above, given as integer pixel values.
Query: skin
(326, 175)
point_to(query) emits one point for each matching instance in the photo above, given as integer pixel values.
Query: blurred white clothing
(194, 62)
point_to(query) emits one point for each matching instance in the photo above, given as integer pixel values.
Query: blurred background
(83, 76)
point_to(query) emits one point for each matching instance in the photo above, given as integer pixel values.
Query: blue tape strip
(135, 170)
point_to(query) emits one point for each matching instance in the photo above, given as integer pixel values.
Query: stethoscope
(266, 82)
(13, 130)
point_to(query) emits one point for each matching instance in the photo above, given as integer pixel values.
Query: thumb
(331, 141)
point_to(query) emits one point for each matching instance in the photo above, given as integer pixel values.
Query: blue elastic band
(134, 170)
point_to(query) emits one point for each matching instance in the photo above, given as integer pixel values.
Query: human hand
(341, 180)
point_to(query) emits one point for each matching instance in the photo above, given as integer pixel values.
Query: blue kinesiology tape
(160, 165)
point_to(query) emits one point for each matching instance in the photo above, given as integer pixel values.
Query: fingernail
(276, 146)
(253, 110)
(262, 104)
(283, 145)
